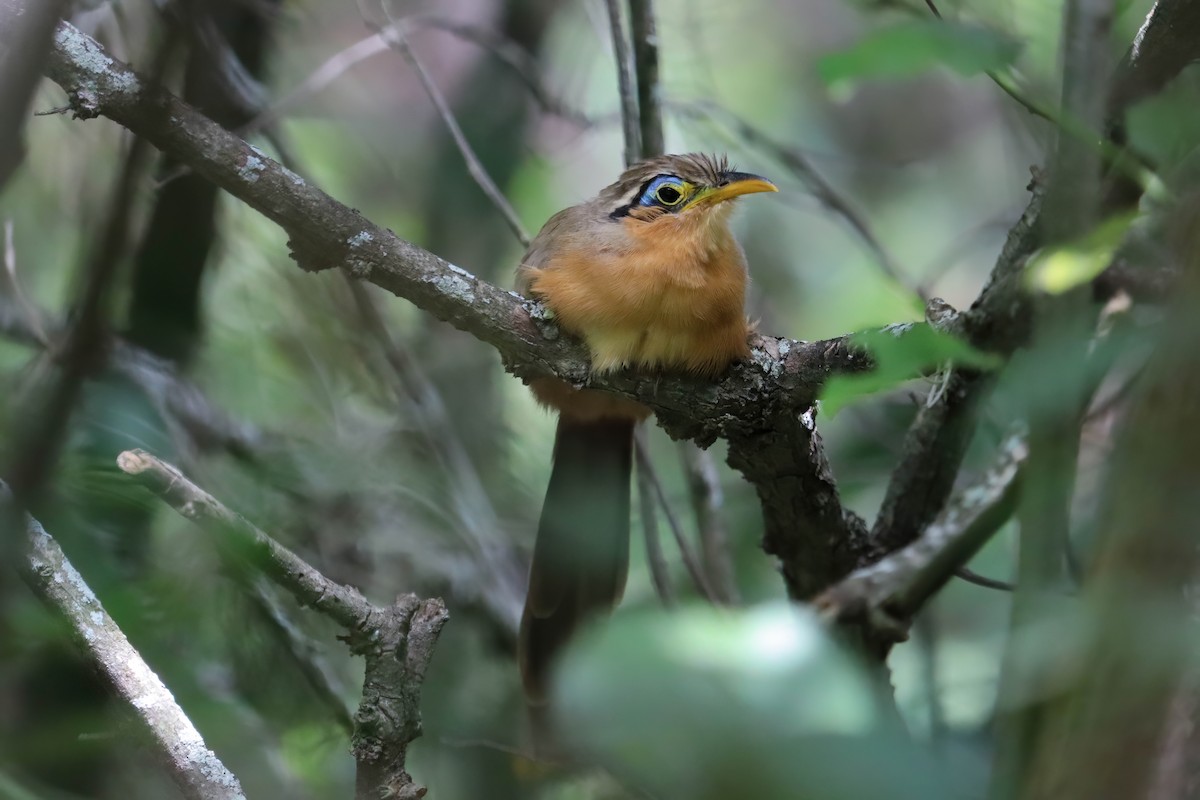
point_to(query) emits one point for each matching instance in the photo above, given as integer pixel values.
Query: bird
(650, 276)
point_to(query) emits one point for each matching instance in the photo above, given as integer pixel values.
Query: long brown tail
(582, 551)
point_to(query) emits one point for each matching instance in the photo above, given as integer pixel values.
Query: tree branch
(396, 641)
(645, 61)
(194, 768)
(782, 374)
(889, 593)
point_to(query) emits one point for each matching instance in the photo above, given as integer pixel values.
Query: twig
(305, 654)
(645, 64)
(648, 511)
(397, 40)
(1004, 82)
(890, 593)
(646, 468)
(396, 641)
(512, 55)
(195, 769)
(971, 576)
(243, 541)
(799, 165)
(319, 79)
(499, 581)
(630, 123)
(704, 487)
(32, 318)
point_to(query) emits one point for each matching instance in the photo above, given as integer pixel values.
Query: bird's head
(689, 186)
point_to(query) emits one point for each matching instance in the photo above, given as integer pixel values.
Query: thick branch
(196, 770)
(326, 234)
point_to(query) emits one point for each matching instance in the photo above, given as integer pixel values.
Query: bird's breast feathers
(670, 293)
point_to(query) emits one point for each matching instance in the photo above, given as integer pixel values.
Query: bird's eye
(668, 195)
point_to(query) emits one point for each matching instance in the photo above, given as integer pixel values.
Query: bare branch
(645, 64)
(625, 83)
(33, 319)
(704, 488)
(238, 536)
(780, 375)
(396, 641)
(648, 512)
(646, 470)
(195, 769)
(889, 593)
(498, 580)
(512, 55)
(397, 40)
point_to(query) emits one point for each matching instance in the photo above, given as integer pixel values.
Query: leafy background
(889, 105)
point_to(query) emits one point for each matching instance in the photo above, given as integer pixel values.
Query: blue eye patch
(666, 191)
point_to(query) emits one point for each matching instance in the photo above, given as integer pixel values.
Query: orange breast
(673, 295)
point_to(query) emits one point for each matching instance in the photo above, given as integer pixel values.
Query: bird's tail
(582, 550)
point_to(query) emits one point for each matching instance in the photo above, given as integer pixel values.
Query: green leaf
(900, 353)
(910, 48)
(1166, 127)
(1055, 270)
(705, 703)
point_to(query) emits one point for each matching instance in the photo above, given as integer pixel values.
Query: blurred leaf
(707, 703)
(901, 353)
(1166, 127)
(910, 48)
(1056, 269)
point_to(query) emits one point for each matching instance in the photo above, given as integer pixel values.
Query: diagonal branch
(888, 594)
(395, 641)
(195, 769)
(781, 374)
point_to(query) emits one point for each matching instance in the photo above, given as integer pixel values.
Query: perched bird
(649, 275)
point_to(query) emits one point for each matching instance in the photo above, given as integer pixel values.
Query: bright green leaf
(1057, 269)
(911, 48)
(900, 353)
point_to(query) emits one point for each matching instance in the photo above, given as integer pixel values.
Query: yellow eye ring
(668, 194)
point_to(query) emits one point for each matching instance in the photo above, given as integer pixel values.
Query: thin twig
(630, 124)
(30, 313)
(970, 576)
(648, 512)
(499, 589)
(512, 55)
(195, 769)
(645, 64)
(685, 548)
(1005, 83)
(704, 485)
(398, 41)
